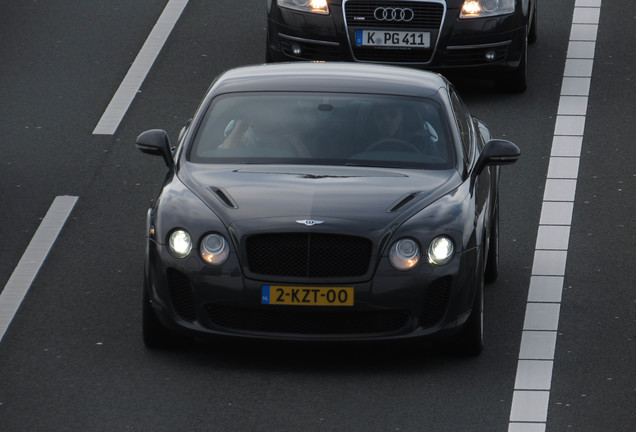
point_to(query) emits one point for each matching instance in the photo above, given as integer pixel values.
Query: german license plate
(306, 296)
(387, 38)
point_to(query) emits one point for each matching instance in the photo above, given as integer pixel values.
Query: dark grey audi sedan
(487, 38)
(324, 202)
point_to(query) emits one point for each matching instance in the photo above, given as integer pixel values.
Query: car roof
(329, 77)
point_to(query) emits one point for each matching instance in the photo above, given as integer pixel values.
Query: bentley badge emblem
(309, 222)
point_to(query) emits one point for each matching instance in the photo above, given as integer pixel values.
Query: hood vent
(224, 197)
(402, 202)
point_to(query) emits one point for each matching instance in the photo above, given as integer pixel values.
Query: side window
(463, 122)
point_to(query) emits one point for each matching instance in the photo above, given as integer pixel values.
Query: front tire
(268, 52)
(517, 81)
(492, 261)
(532, 33)
(471, 338)
(155, 335)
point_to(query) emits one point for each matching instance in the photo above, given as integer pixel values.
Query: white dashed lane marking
(137, 73)
(22, 277)
(530, 400)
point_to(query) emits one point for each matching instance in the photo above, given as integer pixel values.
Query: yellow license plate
(306, 296)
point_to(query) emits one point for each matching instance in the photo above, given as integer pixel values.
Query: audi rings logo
(393, 14)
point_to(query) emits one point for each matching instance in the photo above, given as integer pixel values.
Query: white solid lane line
(530, 400)
(137, 73)
(22, 277)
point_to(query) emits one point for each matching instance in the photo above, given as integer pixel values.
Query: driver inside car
(388, 120)
(388, 131)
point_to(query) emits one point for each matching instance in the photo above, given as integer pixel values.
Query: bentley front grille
(308, 255)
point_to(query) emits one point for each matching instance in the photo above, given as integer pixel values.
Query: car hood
(373, 198)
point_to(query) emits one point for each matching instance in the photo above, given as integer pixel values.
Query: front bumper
(191, 297)
(487, 44)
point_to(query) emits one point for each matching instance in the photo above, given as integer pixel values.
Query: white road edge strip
(137, 73)
(530, 400)
(22, 277)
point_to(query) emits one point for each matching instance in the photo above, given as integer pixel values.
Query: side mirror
(497, 152)
(156, 142)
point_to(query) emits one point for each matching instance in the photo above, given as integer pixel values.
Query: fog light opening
(296, 50)
(490, 55)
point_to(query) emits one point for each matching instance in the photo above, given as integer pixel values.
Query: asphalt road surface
(72, 359)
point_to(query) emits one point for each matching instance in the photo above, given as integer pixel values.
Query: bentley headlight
(404, 254)
(441, 250)
(214, 249)
(314, 6)
(180, 243)
(486, 8)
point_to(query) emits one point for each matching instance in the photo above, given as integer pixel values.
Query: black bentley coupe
(488, 38)
(324, 202)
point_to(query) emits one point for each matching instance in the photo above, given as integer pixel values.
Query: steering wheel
(400, 143)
